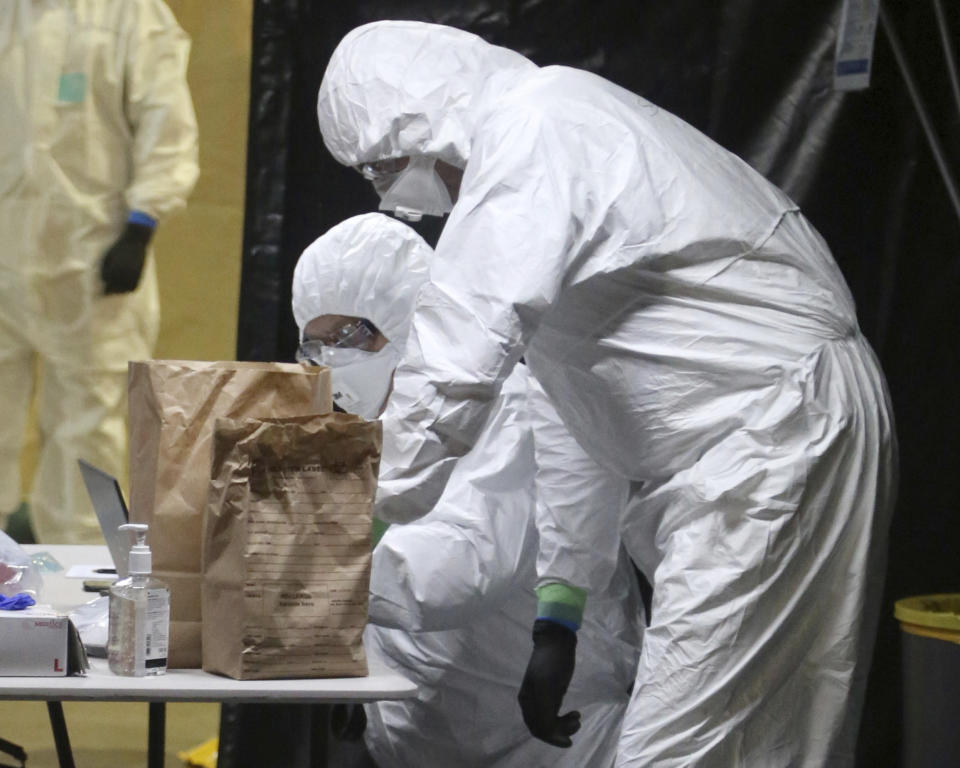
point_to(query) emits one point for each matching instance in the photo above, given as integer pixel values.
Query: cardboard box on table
(173, 407)
(37, 642)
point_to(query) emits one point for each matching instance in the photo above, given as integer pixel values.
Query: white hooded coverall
(451, 595)
(96, 123)
(696, 337)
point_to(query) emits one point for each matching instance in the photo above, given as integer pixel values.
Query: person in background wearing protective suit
(451, 596)
(99, 141)
(696, 337)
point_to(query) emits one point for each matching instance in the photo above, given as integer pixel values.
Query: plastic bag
(92, 622)
(17, 571)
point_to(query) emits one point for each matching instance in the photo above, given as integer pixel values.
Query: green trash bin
(931, 680)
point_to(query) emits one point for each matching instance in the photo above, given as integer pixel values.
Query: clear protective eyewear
(409, 187)
(382, 169)
(360, 334)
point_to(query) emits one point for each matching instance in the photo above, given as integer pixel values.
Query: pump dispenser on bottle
(139, 615)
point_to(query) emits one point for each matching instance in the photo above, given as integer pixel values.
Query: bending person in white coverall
(696, 337)
(98, 141)
(452, 595)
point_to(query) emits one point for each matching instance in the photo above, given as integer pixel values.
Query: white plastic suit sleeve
(578, 505)
(497, 269)
(425, 575)
(159, 110)
(468, 555)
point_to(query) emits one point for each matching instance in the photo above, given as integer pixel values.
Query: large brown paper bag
(286, 546)
(173, 404)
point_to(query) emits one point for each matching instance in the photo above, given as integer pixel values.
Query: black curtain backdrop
(756, 76)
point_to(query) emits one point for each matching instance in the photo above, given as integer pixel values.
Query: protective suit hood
(368, 266)
(397, 88)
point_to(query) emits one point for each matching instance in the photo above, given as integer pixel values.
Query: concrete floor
(105, 735)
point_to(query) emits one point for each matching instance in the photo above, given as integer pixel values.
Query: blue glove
(17, 602)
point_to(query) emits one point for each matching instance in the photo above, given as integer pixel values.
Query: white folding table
(177, 684)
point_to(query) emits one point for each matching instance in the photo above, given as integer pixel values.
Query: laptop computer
(111, 509)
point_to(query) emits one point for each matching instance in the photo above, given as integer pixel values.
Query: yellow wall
(198, 251)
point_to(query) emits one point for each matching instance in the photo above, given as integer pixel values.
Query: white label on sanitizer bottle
(156, 628)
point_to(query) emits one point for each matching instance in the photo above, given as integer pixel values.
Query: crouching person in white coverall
(696, 337)
(452, 595)
(98, 141)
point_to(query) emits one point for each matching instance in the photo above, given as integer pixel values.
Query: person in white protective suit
(452, 595)
(697, 338)
(98, 142)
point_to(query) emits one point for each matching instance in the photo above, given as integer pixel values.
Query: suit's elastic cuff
(562, 604)
(144, 219)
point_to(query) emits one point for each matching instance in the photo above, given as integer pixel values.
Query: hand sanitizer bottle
(139, 615)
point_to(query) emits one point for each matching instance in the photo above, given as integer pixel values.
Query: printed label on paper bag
(297, 566)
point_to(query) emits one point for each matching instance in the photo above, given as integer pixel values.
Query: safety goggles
(359, 334)
(382, 169)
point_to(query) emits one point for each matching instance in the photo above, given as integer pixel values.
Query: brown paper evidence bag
(173, 407)
(286, 546)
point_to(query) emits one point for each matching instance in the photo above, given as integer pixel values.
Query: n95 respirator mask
(360, 380)
(414, 192)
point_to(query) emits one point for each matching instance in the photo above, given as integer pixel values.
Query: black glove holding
(348, 721)
(545, 683)
(123, 263)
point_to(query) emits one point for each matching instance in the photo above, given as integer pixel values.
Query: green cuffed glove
(545, 683)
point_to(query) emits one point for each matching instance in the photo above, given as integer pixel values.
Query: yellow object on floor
(105, 734)
(202, 756)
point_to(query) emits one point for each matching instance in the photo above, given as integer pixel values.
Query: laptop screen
(111, 509)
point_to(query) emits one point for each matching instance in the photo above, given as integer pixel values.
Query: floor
(105, 735)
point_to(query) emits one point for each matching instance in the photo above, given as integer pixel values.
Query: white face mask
(416, 191)
(360, 380)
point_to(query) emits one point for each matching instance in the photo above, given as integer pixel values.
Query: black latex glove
(123, 263)
(348, 721)
(545, 683)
